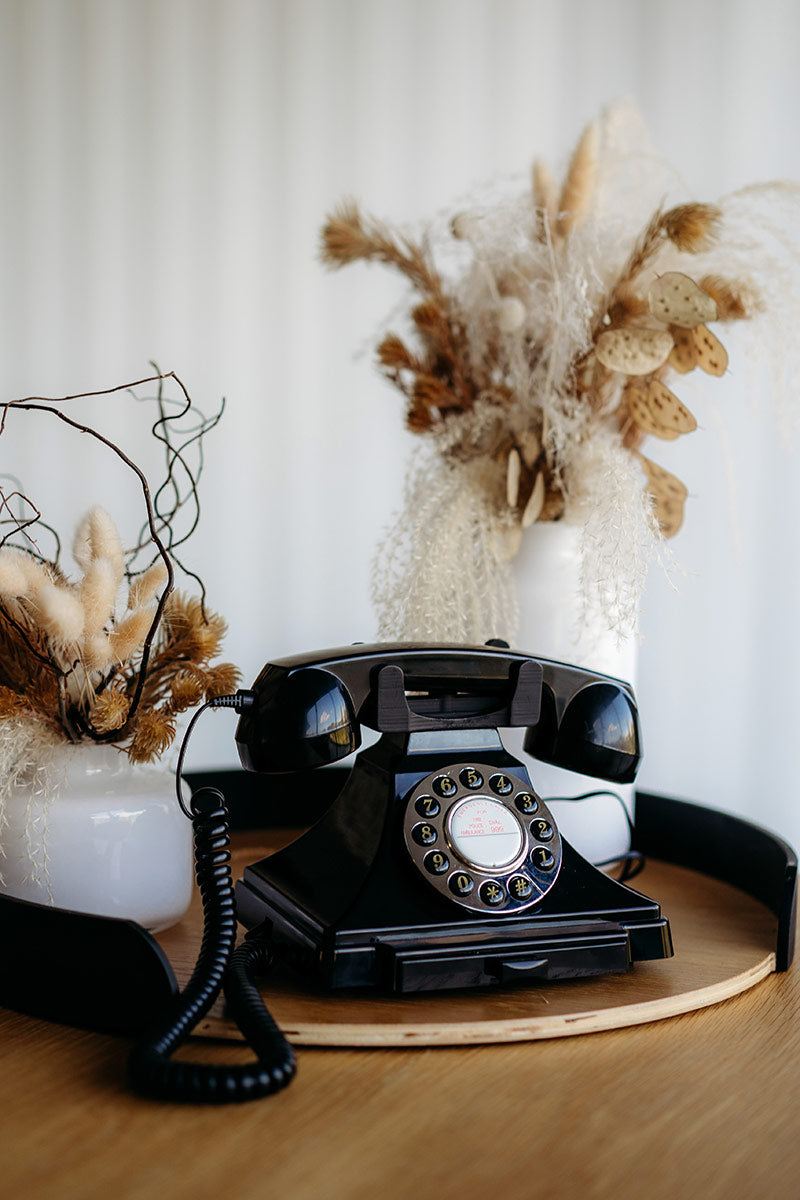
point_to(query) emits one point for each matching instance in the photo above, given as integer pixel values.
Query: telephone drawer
(407, 969)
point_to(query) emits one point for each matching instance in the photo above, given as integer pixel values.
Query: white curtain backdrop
(166, 166)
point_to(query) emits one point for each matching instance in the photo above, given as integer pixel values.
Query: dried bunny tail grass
(17, 567)
(545, 198)
(13, 580)
(692, 227)
(442, 572)
(127, 637)
(60, 615)
(98, 593)
(580, 181)
(97, 537)
(144, 588)
(615, 552)
(98, 654)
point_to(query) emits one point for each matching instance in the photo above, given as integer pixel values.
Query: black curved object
(727, 848)
(598, 733)
(98, 973)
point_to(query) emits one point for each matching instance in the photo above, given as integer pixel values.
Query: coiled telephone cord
(151, 1069)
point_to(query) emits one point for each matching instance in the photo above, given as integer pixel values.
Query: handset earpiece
(598, 733)
(302, 719)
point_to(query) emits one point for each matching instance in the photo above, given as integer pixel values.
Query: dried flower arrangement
(546, 332)
(115, 654)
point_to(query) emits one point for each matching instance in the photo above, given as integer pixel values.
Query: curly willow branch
(42, 404)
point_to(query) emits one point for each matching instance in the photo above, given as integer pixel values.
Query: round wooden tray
(724, 943)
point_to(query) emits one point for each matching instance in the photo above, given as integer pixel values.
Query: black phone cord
(151, 1070)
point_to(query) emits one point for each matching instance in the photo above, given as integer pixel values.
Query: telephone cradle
(438, 865)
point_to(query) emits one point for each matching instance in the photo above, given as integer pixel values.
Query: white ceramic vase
(109, 839)
(547, 573)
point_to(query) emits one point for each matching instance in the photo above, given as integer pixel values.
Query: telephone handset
(439, 865)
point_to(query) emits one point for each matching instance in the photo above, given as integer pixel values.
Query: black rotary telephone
(438, 865)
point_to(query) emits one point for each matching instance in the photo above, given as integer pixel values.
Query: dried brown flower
(154, 733)
(733, 298)
(12, 704)
(433, 393)
(221, 680)
(187, 690)
(418, 418)
(691, 226)
(394, 354)
(110, 710)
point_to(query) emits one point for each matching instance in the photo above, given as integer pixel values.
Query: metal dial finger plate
(482, 838)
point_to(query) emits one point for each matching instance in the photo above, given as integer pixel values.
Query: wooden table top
(705, 1104)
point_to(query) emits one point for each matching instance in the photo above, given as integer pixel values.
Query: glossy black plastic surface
(96, 972)
(727, 848)
(308, 708)
(597, 735)
(301, 720)
(349, 908)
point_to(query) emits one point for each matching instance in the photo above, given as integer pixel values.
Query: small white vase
(547, 572)
(109, 839)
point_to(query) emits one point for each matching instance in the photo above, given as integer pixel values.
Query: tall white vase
(547, 572)
(109, 838)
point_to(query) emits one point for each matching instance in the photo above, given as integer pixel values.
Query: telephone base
(428, 957)
(353, 903)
